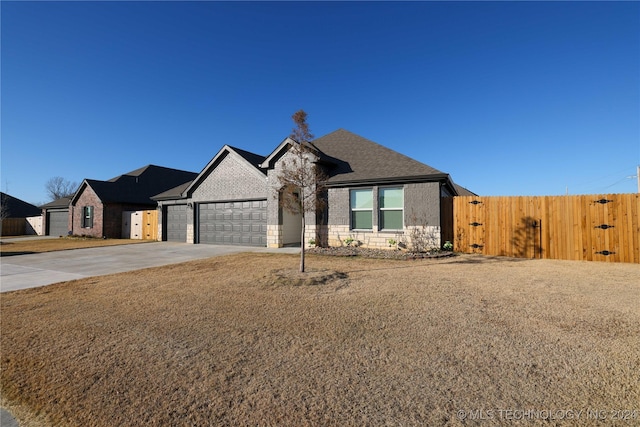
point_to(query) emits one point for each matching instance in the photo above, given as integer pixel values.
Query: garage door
(176, 223)
(233, 223)
(58, 223)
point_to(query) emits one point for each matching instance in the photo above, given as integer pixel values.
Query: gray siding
(338, 206)
(422, 204)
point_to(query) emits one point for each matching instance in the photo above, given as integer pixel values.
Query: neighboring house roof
(182, 191)
(16, 208)
(463, 191)
(138, 186)
(358, 160)
(62, 202)
(173, 193)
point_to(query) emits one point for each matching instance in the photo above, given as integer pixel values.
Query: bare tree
(301, 179)
(58, 187)
(4, 209)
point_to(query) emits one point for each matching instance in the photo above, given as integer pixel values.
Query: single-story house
(16, 212)
(372, 194)
(97, 207)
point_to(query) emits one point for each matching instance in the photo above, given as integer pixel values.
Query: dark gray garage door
(58, 223)
(176, 223)
(233, 223)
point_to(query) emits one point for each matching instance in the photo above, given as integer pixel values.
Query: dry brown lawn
(23, 247)
(229, 341)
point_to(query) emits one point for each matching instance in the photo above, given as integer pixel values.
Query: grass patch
(23, 247)
(210, 342)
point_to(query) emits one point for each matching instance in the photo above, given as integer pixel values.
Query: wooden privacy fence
(150, 225)
(587, 227)
(140, 225)
(13, 226)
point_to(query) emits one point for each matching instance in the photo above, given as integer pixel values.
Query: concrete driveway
(33, 270)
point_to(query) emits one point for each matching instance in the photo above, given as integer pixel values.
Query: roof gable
(251, 159)
(359, 160)
(281, 150)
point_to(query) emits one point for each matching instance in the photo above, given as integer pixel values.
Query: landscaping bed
(348, 251)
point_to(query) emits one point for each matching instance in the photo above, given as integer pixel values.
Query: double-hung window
(391, 204)
(87, 217)
(362, 209)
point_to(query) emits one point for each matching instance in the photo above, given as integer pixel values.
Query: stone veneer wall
(274, 236)
(337, 234)
(160, 222)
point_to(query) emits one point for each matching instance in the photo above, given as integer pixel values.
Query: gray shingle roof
(462, 191)
(63, 202)
(173, 193)
(254, 159)
(356, 159)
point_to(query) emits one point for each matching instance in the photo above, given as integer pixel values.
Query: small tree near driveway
(301, 180)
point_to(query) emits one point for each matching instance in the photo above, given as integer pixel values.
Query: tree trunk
(302, 246)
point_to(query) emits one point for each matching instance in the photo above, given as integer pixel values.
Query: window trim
(352, 209)
(381, 210)
(87, 217)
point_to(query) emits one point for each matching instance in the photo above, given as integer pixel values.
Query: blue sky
(510, 98)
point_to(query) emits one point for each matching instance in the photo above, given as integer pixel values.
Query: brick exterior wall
(232, 179)
(87, 198)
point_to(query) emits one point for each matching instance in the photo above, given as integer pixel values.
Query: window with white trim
(391, 205)
(362, 209)
(87, 217)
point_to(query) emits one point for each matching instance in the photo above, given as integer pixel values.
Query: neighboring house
(57, 221)
(15, 214)
(97, 207)
(373, 194)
